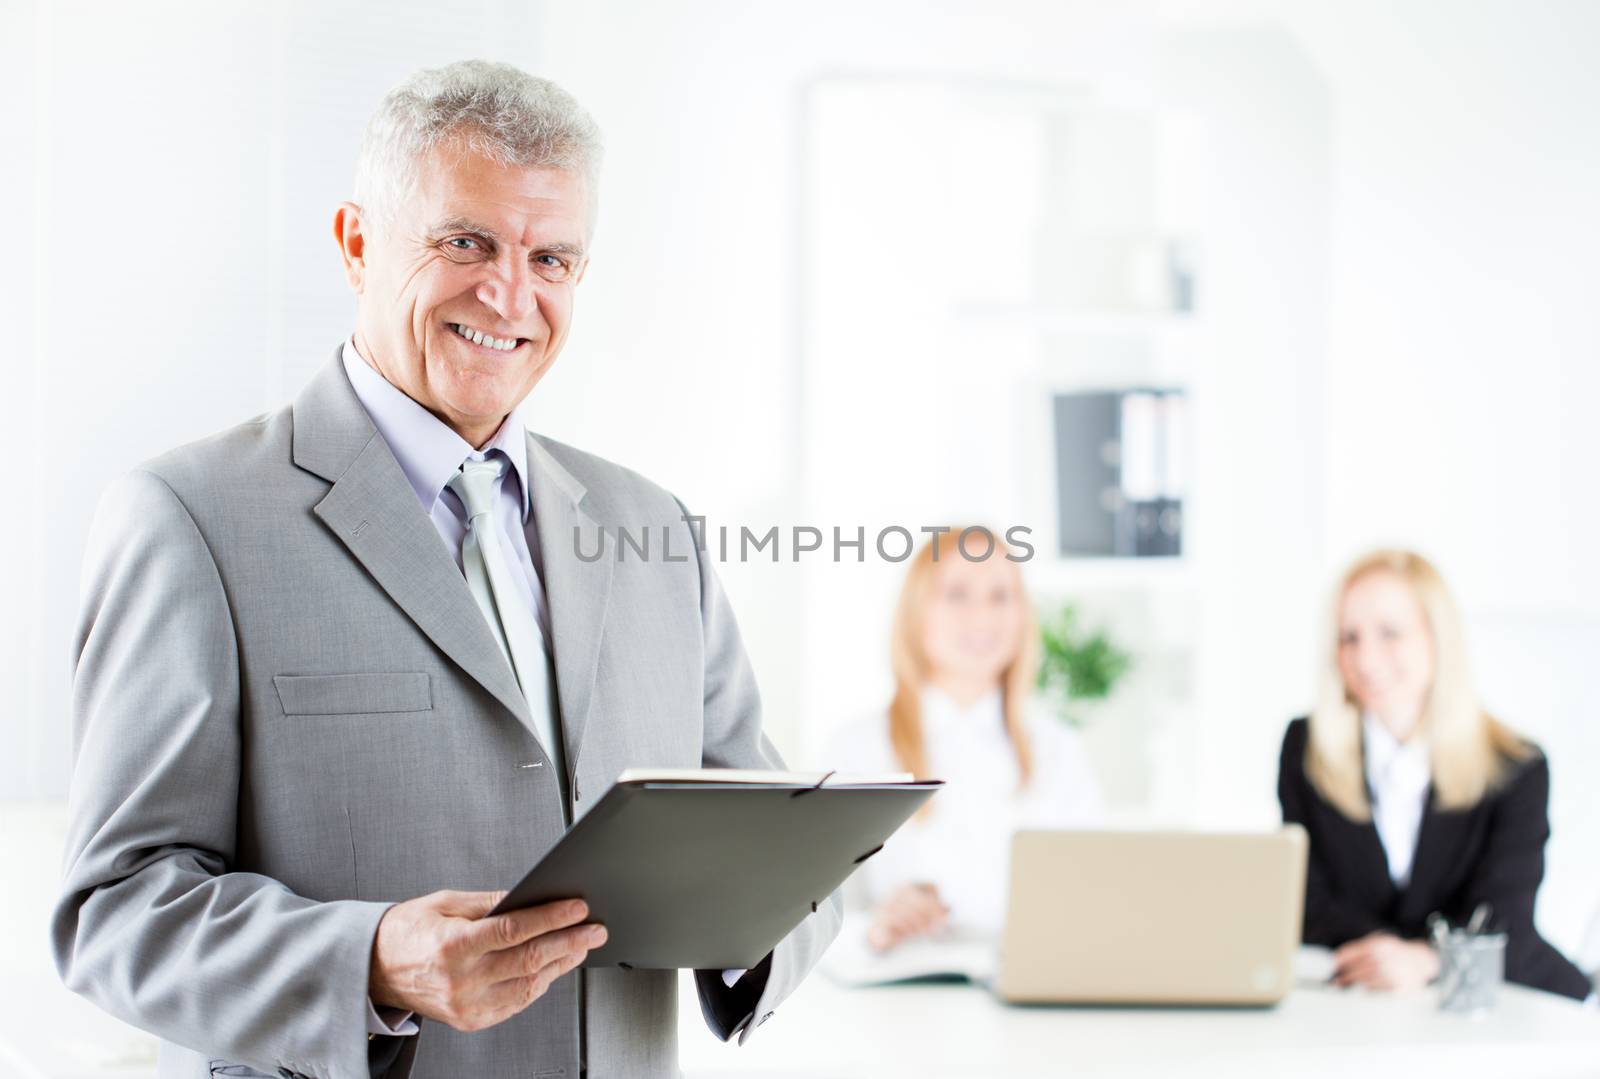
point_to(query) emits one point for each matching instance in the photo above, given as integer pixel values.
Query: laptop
(1152, 917)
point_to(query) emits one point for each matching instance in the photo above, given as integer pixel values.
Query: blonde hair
(1467, 748)
(911, 667)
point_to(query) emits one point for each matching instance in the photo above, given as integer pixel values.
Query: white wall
(1464, 340)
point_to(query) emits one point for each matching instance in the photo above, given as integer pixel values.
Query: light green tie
(487, 566)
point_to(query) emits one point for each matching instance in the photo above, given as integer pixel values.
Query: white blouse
(963, 846)
(1398, 774)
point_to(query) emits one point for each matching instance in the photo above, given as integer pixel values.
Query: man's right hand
(439, 956)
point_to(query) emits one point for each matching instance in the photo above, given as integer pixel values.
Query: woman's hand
(913, 910)
(1384, 961)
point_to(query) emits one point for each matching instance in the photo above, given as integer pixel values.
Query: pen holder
(1471, 968)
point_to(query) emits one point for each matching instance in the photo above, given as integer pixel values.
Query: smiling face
(478, 250)
(973, 619)
(1385, 649)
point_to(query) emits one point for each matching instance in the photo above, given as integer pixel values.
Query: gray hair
(496, 110)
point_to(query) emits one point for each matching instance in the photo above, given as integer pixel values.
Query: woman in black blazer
(1414, 799)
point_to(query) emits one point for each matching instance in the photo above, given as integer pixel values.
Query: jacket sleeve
(1330, 918)
(151, 923)
(1508, 875)
(733, 739)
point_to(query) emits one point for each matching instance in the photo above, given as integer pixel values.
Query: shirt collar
(1388, 756)
(428, 451)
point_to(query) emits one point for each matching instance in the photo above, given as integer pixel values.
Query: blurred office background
(1323, 272)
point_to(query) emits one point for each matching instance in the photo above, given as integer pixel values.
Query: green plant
(1077, 664)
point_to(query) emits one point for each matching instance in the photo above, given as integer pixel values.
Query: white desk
(825, 1032)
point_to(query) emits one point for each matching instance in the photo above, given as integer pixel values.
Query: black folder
(711, 872)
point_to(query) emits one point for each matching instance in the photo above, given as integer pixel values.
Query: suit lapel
(1375, 859)
(577, 591)
(1375, 865)
(1438, 837)
(374, 512)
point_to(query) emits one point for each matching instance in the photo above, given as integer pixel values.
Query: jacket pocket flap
(344, 694)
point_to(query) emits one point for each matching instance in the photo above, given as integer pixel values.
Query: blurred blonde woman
(1416, 800)
(965, 655)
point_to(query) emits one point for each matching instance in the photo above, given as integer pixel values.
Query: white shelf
(1047, 573)
(1068, 320)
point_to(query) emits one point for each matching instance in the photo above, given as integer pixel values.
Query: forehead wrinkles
(542, 228)
(539, 206)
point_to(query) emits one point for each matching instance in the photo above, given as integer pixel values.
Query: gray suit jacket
(289, 713)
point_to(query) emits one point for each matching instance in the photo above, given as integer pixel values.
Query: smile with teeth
(499, 344)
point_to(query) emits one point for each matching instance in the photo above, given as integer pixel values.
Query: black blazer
(1492, 852)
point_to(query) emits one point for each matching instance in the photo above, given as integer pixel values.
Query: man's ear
(352, 240)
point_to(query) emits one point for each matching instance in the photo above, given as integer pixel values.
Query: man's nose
(509, 290)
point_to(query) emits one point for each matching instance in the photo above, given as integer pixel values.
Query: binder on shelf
(1121, 459)
(711, 868)
(1152, 479)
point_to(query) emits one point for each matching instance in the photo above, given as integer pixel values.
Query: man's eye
(553, 267)
(462, 244)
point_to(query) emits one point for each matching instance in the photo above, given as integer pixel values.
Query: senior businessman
(339, 671)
